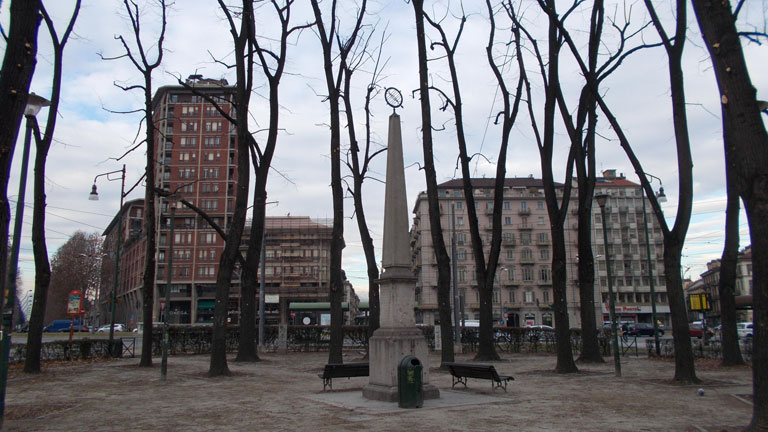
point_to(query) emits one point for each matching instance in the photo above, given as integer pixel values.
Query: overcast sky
(88, 137)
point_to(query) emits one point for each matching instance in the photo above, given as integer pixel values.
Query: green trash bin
(410, 390)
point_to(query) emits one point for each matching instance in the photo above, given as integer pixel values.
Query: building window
(187, 173)
(507, 205)
(512, 296)
(529, 298)
(461, 238)
(527, 255)
(460, 220)
(461, 255)
(188, 141)
(190, 110)
(544, 254)
(459, 205)
(539, 205)
(545, 274)
(214, 141)
(507, 220)
(545, 296)
(209, 204)
(211, 172)
(189, 126)
(527, 274)
(208, 238)
(211, 111)
(462, 274)
(213, 126)
(523, 205)
(510, 254)
(541, 220)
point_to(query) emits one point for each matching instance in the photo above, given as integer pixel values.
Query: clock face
(393, 97)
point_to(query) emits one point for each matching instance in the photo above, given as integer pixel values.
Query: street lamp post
(94, 196)
(34, 104)
(601, 199)
(661, 197)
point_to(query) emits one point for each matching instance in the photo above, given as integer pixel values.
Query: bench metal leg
(327, 382)
(501, 384)
(459, 380)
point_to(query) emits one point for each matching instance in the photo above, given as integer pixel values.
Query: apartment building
(523, 282)
(742, 291)
(628, 252)
(197, 159)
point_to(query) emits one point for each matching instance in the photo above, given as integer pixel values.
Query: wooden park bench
(461, 371)
(345, 370)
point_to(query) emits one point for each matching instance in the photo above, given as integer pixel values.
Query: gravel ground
(283, 392)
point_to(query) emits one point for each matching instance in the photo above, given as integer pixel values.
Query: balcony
(524, 211)
(527, 260)
(509, 241)
(525, 226)
(543, 242)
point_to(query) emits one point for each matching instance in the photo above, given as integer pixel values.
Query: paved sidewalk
(284, 392)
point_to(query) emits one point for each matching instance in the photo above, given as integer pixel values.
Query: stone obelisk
(398, 335)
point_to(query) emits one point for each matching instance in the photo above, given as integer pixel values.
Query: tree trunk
(590, 348)
(436, 229)
(42, 266)
(565, 363)
(684, 364)
(18, 67)
(148, 288)
(728, 262)
(746, 153)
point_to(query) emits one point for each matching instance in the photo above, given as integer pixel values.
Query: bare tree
(746, 156)
(243, 38)
(18, 66)
(360, 171)
(485, 271)
(673, 238)
(272, 63)
(436, 229)
(140, 60)
(333, 80)
(40, 249)
(582, 133)
(557, 209)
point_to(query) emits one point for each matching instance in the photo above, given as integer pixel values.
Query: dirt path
(284, 393)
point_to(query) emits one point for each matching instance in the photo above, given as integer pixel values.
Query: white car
(744, 329)
(118, 328)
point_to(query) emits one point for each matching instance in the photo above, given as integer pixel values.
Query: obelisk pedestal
(398, 335)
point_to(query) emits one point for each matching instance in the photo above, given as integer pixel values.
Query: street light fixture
(601, 200)
(94, 196)
(34, 104)
(661, 198)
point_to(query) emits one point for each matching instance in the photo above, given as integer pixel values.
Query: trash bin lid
(409, 360)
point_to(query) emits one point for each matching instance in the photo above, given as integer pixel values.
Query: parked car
(118, 328)
(642, 329)
(744, 329)
(541, 332)
(697, 330)
(63, 326)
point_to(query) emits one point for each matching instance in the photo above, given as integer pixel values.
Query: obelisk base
(387, 347)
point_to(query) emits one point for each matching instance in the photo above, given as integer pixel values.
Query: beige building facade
(523, 283)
